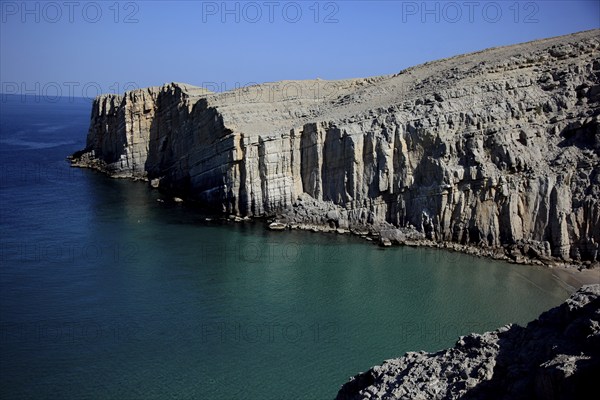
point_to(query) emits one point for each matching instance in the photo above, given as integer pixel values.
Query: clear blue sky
(89, 45)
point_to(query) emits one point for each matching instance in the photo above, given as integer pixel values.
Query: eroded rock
(497, 150)
(556, 356)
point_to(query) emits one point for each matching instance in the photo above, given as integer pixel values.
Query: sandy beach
(576, 278)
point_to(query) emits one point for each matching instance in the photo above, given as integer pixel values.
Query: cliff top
(495, 149)
(277, 107)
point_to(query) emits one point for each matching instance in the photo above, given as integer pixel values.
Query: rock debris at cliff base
(498, 149)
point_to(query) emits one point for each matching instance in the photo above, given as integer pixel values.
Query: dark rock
(556, 356)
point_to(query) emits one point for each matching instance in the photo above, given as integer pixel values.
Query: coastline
(575, 278)
(500, 169)
(504, 170)
(554, 356)
(572, 274)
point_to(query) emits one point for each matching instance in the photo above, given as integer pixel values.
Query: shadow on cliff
(162, 162)
(556, 357)
(544, 360)
(582, 136)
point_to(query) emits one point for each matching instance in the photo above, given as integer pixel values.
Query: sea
(111, 290)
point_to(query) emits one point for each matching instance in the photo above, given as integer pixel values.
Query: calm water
(107, 293)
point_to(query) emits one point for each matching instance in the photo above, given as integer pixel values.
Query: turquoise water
(108, 293)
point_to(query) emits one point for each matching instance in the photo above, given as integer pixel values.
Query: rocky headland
(496, 153)
(554, 357)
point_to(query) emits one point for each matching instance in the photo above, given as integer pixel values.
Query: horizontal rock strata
(498, 149)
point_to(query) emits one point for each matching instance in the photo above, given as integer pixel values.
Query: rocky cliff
(556, 357)
(498, 149)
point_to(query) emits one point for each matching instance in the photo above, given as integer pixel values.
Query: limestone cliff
(555, 357)
(498, 149)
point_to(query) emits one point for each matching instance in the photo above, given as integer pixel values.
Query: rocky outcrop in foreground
(497, 150)
(555, 357)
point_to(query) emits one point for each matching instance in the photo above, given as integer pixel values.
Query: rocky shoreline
(386, 235)
(556, 356)
(329, 218)
(494, 153)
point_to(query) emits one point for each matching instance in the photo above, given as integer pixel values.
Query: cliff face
(556, 356)
(495, 148)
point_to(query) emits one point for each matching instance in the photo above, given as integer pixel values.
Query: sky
(84, 48)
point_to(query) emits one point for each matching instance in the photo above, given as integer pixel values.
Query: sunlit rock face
(495, 149)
